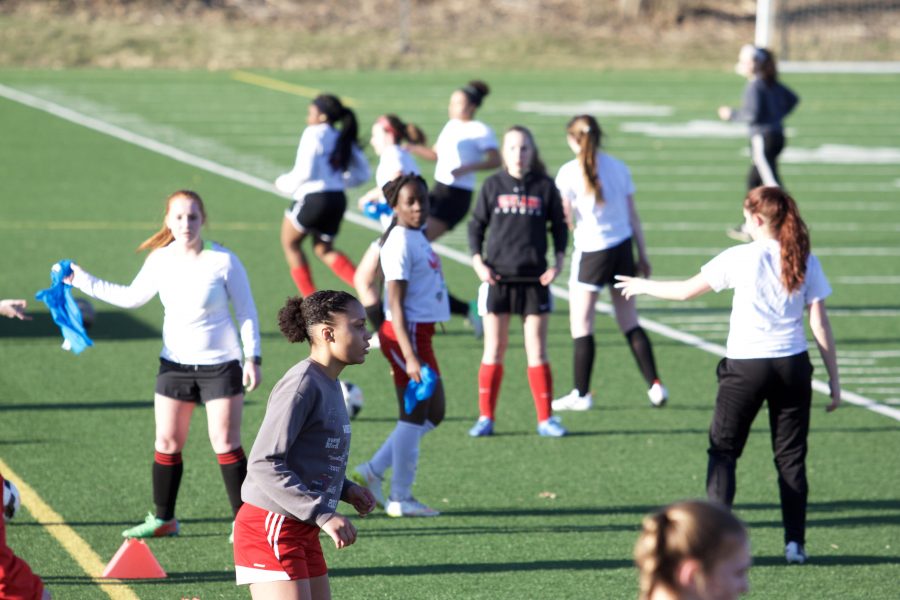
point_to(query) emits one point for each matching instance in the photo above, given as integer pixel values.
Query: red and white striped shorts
(272, 547)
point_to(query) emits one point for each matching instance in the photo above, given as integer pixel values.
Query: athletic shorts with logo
(272, 547)
(517, 298)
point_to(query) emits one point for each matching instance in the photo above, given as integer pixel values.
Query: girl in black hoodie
(519, 204)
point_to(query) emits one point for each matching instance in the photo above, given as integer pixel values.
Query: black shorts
(519, 298)
(319, 214)
(593, 270)
(449, 204)
(199, 383)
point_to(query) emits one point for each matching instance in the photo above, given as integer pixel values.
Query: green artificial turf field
(523, 516)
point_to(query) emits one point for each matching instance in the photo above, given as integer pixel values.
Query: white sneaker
(409, 508)
(366, 477)
(573, 401)
(658, 394)
(794, 553)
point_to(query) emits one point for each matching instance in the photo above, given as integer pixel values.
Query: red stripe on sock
(302, 277)
(229, 458)
(540, 379)
(489, 379)
(343, 268)
(167, 459)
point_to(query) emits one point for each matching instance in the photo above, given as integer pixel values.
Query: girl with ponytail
(464, 147)
(598, 195)
(296, 474)
(766, 102)
(328, 161)
(202, 353)
(692, 550)
(774, 278)
(388, 135)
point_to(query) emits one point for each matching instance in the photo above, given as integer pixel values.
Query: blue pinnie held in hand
(64, 309)
(421, 391)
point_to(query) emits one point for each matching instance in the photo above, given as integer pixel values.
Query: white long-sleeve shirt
(312, 170)
(197, 327)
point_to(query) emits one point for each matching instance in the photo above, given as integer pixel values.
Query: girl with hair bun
(598, 193)
(774, 278)
(765, 104)
(464, 146)
(388, 135)
(415, 301)
(296, 473)
(328, 161)
(200, 361)
(693, 550)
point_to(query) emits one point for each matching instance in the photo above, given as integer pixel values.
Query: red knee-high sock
(489, 378)
(302, 276)
(343, 268)
(541, 382)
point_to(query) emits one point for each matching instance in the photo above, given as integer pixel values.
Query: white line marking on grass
(869, 353)
(77, 548)
(842, 155)
(603, 108)
(265, 186)
(691, 129)
(870, 380)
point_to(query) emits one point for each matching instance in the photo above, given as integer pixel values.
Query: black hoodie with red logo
(519, 213)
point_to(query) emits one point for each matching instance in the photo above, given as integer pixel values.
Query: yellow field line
(77, 548)
(113, 225)
(283, 86)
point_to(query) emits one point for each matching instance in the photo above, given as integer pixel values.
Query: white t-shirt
(197, 327)
(312, 170)
(462, 143)
(393, 160)
(766, 321)
(406, 255)
(604, 225)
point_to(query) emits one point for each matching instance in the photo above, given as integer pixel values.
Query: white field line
(266, 186)
(869, 353)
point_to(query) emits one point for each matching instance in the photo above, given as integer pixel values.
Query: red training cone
(134, 560)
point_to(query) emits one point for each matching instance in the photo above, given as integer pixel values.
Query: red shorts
(271, 547)
(420, 335)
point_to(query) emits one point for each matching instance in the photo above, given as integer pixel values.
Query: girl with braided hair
(598, 194)
(693, 550)
(774, 278)
(328, 161)
(416, 299)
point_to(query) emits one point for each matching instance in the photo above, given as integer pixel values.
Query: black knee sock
(457, 306)
(584, 363)
(375, 313)
(643, 353)
(234, 469)
(167, 470)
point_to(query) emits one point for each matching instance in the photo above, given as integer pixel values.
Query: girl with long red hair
(774, 278)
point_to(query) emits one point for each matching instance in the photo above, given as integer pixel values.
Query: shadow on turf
(107, 326)
(118, 404)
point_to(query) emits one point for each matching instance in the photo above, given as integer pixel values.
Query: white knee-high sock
(383, 457)
(405, 459)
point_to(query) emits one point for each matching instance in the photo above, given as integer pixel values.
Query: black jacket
(519, 213)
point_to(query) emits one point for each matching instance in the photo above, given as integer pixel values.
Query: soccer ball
(353, 398)
(11, 500)
(87, 312)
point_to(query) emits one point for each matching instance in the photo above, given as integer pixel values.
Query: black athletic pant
(785, 384)
(773, 144)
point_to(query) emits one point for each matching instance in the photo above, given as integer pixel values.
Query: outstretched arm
(667, 290)
(821, 330)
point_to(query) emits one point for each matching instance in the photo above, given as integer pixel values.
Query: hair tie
(385, 124)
